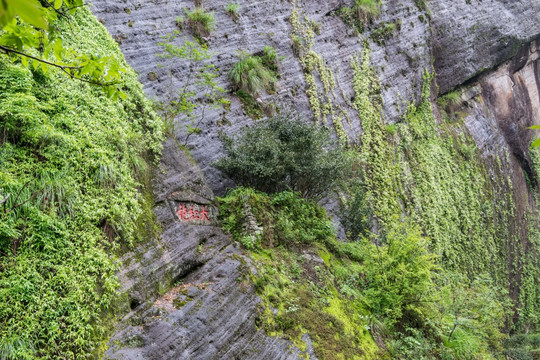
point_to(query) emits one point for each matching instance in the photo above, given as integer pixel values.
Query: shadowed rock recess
(185, 297)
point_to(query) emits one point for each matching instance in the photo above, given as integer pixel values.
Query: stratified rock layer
(210, 315)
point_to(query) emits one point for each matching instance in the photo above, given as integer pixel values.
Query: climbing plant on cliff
(187, 106)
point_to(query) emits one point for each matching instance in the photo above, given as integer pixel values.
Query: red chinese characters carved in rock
(185, 214)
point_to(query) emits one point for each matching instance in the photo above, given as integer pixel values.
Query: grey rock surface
(212, 315)
(139, 25)
(208, 313)
(472, 36)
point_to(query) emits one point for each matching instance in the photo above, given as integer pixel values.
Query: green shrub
(280, 154)
(285, 218)
(451, 101)
(367, 10)
(399, 273)
(354, 210)
(202, 23)
(252, 107)
(270, 59)
(232, 10)
(383, 32)
(411, 345)
(361, 13)
(522, 347)
(74, 163)
(250, 75)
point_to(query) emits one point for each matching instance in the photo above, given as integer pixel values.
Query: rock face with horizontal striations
(211, 314)
(487, 47)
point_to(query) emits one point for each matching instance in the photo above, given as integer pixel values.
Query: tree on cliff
(31, 36)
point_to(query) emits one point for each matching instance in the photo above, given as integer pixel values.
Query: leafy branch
(28, 26)
(65, 68)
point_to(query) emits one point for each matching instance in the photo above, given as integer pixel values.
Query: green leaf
(535, 127)
(57, 4)
(29, 11)
(58, 49)
(536, 143)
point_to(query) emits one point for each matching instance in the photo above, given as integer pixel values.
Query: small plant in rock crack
(251, 75)
(232, 10)
(200, 92)
(202, 23)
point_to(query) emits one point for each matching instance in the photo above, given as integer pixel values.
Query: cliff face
(487, 49)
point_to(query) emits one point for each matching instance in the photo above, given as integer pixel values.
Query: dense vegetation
(431, 282)
(252, 75)
(361, 13)
(429, 255)
(352, 296)
(74, 172)
(29, 33)
(280, 154)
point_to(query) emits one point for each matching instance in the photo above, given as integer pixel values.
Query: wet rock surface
(401, 60)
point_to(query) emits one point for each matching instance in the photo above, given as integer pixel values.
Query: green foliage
(252, 107)
(294, 220)
(451, 99)
(428, 171)
(303, 290)
(529, 297)
(354, 212)
(367, 10)
(29, 11)
(399, 273)
(202, 23)
(36, 38)
(412, 344)
(383, 32)
(380, 171)
(421, 5)
(522, 347)
(251, 75)
(343, 294)
(451, 198)
(270, 59)
(74, 164)
(280, 154)
(536, 142)
(450, 103)
(232, 9)
(470, 315)
(361, 13)
(200, 91)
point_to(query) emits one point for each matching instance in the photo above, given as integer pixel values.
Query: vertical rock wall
(215, 318)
